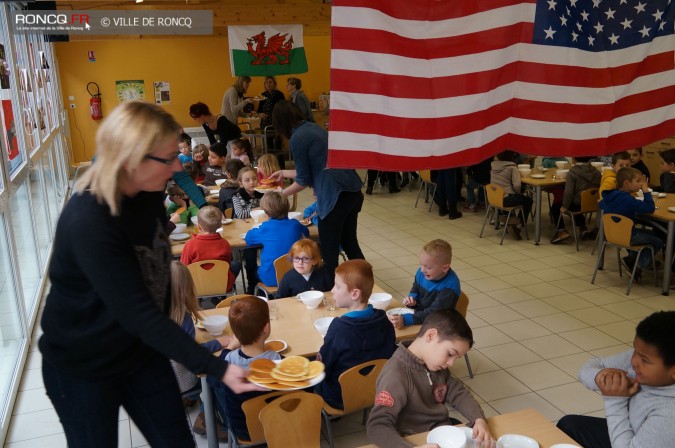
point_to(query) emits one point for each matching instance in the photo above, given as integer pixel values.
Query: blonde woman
(107, 335)
(233, 103)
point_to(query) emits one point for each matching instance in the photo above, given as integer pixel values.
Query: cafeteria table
(540, 184)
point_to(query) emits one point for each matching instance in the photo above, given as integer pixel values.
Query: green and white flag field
(266, 50)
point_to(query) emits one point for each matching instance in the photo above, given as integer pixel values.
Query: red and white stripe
(429, 84)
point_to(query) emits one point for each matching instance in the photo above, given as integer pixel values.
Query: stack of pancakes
(266, 184)
(293, 372)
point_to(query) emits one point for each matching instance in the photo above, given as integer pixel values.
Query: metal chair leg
(468, 365)
(597, 263)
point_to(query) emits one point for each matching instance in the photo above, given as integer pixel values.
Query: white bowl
(215, 324)
(447, 437)
(516, 441)
(380, 300)
(322, 324)
(522, 166)
(524, 172)
(194, 220)
(295, 215)
(257, 214)
(399, 311)
(220, 181)
(311, 299)
(598, 165)
(561, 164)
(180, 228)
(561, 174)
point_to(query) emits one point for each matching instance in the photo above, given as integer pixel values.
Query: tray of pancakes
(265, 185)
(292, 373)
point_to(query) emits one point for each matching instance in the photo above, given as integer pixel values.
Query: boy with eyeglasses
(362, 334)
(307, 273)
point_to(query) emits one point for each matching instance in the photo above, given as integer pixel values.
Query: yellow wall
(198, 69)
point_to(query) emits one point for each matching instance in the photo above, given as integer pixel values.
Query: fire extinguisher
(95, 102)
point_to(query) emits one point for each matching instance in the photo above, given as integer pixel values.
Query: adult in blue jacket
(338, 192)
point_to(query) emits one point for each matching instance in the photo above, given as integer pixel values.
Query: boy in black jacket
(362, 334)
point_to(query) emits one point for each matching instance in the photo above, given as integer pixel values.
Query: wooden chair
(617, 230)
(251, 409)
(589, 205)
(462, 308)
(228, 212)
(425, 181)
(210, 277)
(293, 420)
(358, 392)
(495, 202)
(281, 265)
(228, 301)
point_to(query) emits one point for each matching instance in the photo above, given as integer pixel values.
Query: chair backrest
(293, 420)
(228, 212)
(426, 175)
(589, 200)
(228, 301)
(358, 385)
(210, 277)
(495, 195)
(251, 409)
(282, 265)
(462, 305)
(617, 229)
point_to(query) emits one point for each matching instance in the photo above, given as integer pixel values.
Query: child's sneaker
(470, 208)
(560, 236)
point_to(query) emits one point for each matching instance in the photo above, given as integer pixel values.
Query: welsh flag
(266, 50)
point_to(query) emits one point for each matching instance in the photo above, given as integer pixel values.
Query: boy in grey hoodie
(638, 387)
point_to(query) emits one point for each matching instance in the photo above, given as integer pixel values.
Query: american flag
(440, 83)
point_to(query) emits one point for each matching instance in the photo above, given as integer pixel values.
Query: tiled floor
(536, 318)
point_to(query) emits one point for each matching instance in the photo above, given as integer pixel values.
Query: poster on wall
(133, 90)
(9, 131)
(4, 69)
(162, 92)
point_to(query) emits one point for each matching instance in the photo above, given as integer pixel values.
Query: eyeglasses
(167, 162)
(301, 259)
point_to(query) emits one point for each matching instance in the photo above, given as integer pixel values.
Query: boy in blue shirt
(276, 235)
(638, 387)
(436, 286)
(362, 334)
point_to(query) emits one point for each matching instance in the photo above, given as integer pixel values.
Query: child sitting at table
(231, 185)
(667, 172)
(268, 165)
(415, 385)
(215, 168)
(506, 175)
(362, 334)
(436, 286)
(637, 163)
(250, 322)
(246, 198)
(638, 388)
(185, 311)
(208, 244)
(184, 148)
(608, 180)
(200, 155)
(307, 272)
(179, 203)
(581, 176)
(242, 150)
(621, 202)
(276, 235)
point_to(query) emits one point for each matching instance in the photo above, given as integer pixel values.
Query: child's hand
(481, 434)
(615, 383)
(224, 340)
(233, 344)
(180, 202)
(397, 321)
(174, 218)
(409, 301)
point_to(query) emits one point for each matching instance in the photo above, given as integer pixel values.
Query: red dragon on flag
(270, 51)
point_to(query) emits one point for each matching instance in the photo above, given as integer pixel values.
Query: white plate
(219, 230)
(264, 190)
(179, 236)
(564, 445)
(538, 176)
(227, 221)
(516, 441)
(662, 195)
(199, 324)
(671, 209)
(285, 345)
(313, 382)
(447, 437)
(400, 310)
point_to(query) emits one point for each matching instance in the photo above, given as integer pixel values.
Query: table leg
(209, 414)
(537, 214)
(665, 289)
